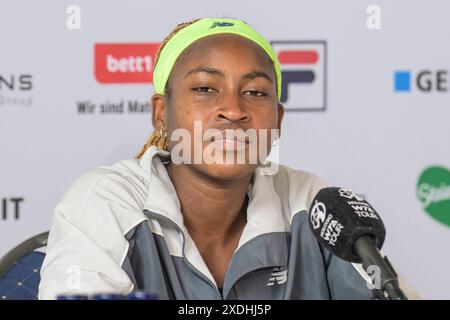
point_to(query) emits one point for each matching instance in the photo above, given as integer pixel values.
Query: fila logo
(279, 275)
(304, 72)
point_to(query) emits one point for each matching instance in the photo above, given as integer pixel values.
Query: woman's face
(222, 82)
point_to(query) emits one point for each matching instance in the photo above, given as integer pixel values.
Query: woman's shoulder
(300, 176)
(116, 188)
(296, 188)
(294, 180)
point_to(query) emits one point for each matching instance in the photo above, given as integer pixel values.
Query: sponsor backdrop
(366, 87)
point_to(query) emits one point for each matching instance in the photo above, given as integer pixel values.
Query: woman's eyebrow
(214, 71)
(256, 74)
(205, 69)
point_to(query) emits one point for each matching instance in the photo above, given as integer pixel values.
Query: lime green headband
(202, 28)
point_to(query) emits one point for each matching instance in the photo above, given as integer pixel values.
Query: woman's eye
(256, 93)
(203, 89)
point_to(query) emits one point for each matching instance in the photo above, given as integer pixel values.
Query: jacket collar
(264, 211)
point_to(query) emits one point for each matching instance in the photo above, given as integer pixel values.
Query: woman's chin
(227, 171)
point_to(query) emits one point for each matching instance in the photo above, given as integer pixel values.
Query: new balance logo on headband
(278, 276)
(221, 24)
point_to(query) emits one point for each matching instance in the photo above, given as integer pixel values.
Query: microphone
(350, 228)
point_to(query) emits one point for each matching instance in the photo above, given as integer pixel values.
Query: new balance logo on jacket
(278, 276)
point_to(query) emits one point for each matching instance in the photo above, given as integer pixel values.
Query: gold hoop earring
(159, 138)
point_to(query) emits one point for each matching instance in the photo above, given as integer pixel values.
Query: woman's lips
(230, 144)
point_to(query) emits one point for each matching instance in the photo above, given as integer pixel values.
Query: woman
(186, 229)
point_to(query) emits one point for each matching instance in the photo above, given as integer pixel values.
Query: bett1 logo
(124, 62)
(425, 81)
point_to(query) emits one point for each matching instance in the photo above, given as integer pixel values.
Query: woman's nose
(231, 108)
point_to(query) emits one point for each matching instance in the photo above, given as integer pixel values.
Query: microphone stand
(365, 248)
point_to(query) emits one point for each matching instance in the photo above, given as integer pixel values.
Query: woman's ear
(280, 117)
(158, 110)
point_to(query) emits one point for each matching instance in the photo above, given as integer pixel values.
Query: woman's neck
(210, 208)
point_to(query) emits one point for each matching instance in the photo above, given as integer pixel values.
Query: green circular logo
(433, 191)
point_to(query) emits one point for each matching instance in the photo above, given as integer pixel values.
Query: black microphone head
(338, 217)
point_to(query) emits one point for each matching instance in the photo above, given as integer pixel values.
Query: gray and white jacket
(120, 228)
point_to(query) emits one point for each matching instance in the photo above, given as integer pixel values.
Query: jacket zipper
(186, 261)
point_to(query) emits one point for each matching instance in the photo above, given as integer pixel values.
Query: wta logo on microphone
(331, 221)
(339, 217)
(359, 205)
(124, 62)
(331, 228)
